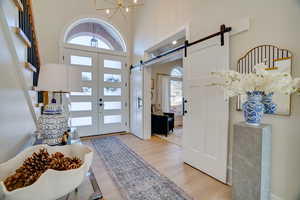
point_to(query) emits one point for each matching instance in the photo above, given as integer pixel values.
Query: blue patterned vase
(253, 108)
(270, 107)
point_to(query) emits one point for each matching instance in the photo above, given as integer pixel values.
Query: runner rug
(136, 179)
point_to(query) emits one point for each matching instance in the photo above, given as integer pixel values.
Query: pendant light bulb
(127, 9)
(107, 11)
(135, 1)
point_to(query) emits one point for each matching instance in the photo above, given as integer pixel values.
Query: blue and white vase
(253, 108)
(270, 107)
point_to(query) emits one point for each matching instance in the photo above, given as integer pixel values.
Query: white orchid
(267, 81)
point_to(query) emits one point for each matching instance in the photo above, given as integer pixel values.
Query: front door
(101, 107)
(205, 128)
(112, 94)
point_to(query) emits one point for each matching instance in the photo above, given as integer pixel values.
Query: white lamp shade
(55, 78)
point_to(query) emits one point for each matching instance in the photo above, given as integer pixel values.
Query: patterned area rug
(136, 179)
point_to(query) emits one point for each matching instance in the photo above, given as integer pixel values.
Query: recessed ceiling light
(174, 42)
(107, 11)
(135, 1)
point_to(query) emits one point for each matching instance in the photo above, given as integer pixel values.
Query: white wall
(53, 16)
(16, 119)
(272, 22)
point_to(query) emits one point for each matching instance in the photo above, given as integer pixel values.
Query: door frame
(103, 52)
(147, 84)
(239, 26)
(183, 31)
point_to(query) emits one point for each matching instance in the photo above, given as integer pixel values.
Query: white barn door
(136, 102)
(205, 126)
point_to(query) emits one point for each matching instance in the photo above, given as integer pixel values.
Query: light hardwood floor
(175, 137)
(166, 158)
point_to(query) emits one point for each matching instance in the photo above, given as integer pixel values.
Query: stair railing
(27, 27)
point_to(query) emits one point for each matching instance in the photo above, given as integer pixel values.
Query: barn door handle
(184, 101)
(140, 102)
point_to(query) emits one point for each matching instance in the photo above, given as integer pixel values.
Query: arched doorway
(96, 55)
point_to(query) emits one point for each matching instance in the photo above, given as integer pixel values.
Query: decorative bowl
(52, 184)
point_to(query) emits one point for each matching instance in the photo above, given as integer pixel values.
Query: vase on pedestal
(253, 108)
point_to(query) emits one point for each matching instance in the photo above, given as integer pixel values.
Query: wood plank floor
(166, 158)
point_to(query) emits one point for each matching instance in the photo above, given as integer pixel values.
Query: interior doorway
(205, 121)
(167, 101)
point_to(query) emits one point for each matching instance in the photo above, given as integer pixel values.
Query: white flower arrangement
(267, 81)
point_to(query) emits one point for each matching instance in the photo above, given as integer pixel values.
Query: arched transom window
(91, 40)
(93, 33)
(177, 72)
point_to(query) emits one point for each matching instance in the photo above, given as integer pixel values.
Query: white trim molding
(183, 31)
(240, 26)
(75, 21)
(229, 175)
(274, 197)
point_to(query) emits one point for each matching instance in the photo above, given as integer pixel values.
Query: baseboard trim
(274, 197)
(19, 5)
(229, 176)
(30, 67)
(23, 37)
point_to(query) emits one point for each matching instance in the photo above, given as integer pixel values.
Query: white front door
(136, 117)
(102, 105)
(205, 128)
(113, 94)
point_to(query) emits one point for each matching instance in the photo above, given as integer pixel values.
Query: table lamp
(54, 121)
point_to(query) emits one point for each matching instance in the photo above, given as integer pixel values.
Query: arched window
(93, 41)
(177, 72)
(95, 33)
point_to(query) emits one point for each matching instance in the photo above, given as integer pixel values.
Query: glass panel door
(113, 94)
(83, 68)
(101, 107)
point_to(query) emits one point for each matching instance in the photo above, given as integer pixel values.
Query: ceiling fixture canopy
(122, 6)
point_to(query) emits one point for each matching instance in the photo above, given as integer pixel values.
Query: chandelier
(122, 6)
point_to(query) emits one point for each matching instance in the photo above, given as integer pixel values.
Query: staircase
(19, 69)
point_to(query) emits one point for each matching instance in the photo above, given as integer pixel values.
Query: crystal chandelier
(122, 6)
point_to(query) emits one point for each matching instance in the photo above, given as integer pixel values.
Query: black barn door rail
(223, 30)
